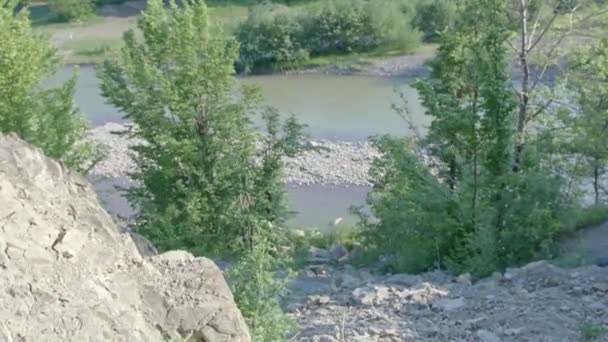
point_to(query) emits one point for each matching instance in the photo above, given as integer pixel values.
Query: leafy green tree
(270, 36)
(588, 122)
(69, 10)
(461, 206)
(205, 185)
(45, 117)
(544, 33)
(434, 17)
(344, 26)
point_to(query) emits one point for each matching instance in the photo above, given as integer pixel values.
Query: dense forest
(517, 96)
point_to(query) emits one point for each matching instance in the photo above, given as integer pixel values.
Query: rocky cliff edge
(68, 274)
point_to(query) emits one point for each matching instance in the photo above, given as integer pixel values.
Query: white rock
(370, 295)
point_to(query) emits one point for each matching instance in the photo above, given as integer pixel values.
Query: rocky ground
(68, 274)
(331, 163)
(332, 301)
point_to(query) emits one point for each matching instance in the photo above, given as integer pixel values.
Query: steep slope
(67, 274)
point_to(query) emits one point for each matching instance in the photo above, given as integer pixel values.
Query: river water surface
(347, 108)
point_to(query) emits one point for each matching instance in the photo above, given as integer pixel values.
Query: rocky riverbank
(332, 302)
(331, 163)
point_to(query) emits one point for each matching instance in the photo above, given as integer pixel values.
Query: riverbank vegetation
(277, 37)
(496, 187)
(46, 118)
(273, 35)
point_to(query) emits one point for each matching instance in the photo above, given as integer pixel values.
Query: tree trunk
(596, 185)
(522, 116)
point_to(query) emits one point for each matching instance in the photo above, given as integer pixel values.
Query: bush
(429, 224)
(276, 35)
(435, 16)
(460, 202)
(358, 25)
(69, 10)
(412, 207)
(209, 179)
(257, 291)
(109, 2)
(270, 36)
(46, 118)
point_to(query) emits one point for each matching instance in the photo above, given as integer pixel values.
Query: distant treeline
(276, 35)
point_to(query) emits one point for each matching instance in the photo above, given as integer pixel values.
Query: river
(344, 108)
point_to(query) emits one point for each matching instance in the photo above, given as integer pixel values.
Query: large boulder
(68, 274)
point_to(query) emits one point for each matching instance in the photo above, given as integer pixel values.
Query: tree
(69, 10)
(44, 117)
(434, 17)
(544, 30)
(588, 121)
(204, 184)
(460, 206)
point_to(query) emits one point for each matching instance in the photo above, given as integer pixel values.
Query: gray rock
(449, 304)
(325, 338)
(318, 255)
(345, 281)
(600, 287)
(464, 279)
(404, 279)
(513, 331)
(319, 300)
(370, 295)
(602, 262)
(67, 273)
(144, 246)
(487, 336)
(338, 252)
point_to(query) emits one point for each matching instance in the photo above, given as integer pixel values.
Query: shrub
(69, 10)
(435, 16)
(392, 22)
(276, 35)
(257, 289)
(206, 185)
(109, 2)
(269, 36)
(430, 225)
(344, 26)
(459, 202)
(339, 27)
(46, 118)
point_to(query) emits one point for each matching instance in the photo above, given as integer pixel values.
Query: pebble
(325, 338)
(337, 162)
(450, 304)
(487, 336)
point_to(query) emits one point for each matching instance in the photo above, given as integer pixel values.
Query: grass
(89, 51)
(591, 216)
(356, 60)
(592, 331)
